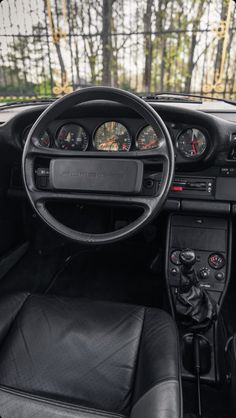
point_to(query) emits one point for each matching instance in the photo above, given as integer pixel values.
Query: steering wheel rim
(151, 205)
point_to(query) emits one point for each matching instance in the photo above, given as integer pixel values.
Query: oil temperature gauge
(72, 137)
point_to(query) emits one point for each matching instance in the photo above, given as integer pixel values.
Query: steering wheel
(109, 177)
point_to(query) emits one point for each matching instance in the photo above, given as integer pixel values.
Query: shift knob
(187, 258)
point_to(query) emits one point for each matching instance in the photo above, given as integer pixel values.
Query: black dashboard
(191, 142)
(204, 142)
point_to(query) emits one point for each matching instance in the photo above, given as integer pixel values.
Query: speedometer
(112, 136)
(192, 143)
(72, 137)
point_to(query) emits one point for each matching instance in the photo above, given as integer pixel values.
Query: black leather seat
(63, 357)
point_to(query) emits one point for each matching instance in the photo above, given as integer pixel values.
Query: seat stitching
(58, 403)
(170, 378)
(179, 373)
(107, 358)
(136, 360)
(162, 382)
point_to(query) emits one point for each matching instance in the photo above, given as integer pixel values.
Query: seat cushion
(87, 356)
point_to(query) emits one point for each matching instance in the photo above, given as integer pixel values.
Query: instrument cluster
(191, 143)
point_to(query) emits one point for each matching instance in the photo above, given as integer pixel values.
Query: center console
(209, 238)
(208, 243)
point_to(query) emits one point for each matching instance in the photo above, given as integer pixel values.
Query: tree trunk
(58, 51)
(106, 42)
(160, 43)
(148, 47)
(193, 44)
(220, 43)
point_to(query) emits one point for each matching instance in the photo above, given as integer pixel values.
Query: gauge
(147, 139)
(72, 137)
(112, 136)
(192, 143)
(175, 257)
(44, 138)
(216, 261)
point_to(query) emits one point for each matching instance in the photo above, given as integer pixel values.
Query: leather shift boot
(194, 303)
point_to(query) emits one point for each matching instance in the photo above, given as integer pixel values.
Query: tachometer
(192, 143)
(147, 139)
(72, 137)
(112, 136)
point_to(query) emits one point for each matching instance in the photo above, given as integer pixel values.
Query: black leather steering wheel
(109, 177)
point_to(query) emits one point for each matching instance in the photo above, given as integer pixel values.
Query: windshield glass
(52, 47)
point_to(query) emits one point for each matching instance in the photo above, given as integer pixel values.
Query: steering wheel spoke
(44, 196)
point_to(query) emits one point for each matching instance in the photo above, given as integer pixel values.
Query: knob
(220, 276)
(187, 258)
(204, 273)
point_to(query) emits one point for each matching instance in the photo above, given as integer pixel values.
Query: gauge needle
(193, 147)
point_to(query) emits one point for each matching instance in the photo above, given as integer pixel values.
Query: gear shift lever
(188, 275)
(188, 259)
(193, 302)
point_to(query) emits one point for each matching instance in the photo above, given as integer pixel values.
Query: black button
(219, 276)
(148, 183)
(174, 271)
(204, 273)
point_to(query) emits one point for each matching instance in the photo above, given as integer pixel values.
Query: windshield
(52, 47)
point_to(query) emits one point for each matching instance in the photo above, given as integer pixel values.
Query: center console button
(204, 273)
(174, 271)
(219, 276)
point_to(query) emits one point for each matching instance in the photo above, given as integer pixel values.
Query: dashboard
(204, 141)
(191, 142)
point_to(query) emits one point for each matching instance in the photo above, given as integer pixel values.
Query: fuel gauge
(44, 139)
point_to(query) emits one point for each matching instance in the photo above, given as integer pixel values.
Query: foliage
(138, 45)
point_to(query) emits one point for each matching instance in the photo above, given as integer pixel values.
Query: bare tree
(195, 26)
(148, 47)
(223, 13)
(107, 41)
